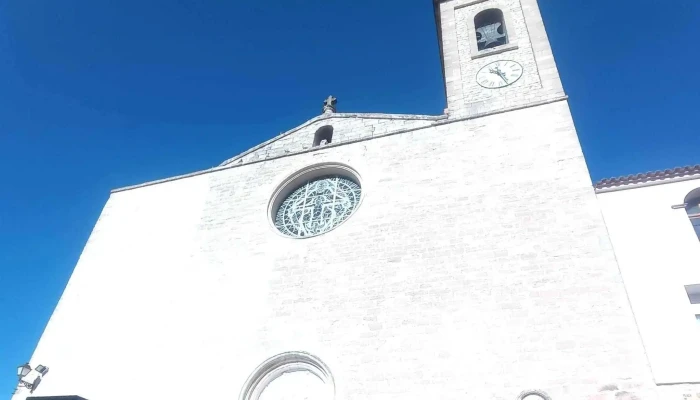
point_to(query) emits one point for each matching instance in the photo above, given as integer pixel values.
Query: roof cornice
(648, 179)
(436, 121)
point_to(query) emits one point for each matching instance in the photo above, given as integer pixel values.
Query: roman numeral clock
(499, 74)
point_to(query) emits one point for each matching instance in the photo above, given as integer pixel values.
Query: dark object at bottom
(56, 398)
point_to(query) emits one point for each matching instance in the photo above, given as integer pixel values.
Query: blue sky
(101, 94)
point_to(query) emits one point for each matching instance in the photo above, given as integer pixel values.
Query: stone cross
(329, 105)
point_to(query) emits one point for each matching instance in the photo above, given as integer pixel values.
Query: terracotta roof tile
(649, 177)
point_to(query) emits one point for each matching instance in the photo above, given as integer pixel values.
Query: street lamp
(42, 370)
(29, 378)
(23, 370)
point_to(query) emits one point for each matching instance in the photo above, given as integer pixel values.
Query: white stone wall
(659, 253)
(528, 45)
(477, 266)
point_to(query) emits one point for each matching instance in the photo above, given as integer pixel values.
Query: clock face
(499, 74)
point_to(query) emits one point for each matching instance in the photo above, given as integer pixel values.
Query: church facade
(396, 257)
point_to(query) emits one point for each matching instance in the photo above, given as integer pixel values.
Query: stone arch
(323, 136)
(533, 395)
(287, 363)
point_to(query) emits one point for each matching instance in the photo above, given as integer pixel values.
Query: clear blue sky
(101, 94)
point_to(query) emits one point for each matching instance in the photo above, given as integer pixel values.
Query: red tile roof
(649, 177)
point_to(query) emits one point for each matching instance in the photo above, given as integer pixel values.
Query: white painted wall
(477, 266)
(659, 253)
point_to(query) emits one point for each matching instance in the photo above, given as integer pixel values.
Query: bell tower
(495, 56)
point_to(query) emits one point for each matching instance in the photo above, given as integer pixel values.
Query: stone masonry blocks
(527, 35)
(344, 129)
(477, 266)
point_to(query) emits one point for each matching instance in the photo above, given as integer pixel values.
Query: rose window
(318, 206)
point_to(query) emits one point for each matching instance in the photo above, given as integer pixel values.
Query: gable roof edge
(331, 116)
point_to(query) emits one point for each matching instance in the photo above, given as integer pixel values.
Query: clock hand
(497, 71)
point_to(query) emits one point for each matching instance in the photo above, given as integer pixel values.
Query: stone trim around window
(299, 178)
(469, 4)
(274, 367)
(495, 50)
(538, 393)
(471, 28)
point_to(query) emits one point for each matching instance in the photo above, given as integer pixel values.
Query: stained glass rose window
(317, 206)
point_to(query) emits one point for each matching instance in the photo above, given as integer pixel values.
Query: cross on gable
(329, 104)
(330, 101)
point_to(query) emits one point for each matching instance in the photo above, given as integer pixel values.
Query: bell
(488, 36)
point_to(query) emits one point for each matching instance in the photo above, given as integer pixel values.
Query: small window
(490, 29)
(692, 207)
(323, 136)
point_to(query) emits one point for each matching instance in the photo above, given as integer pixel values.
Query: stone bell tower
(495, 56)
